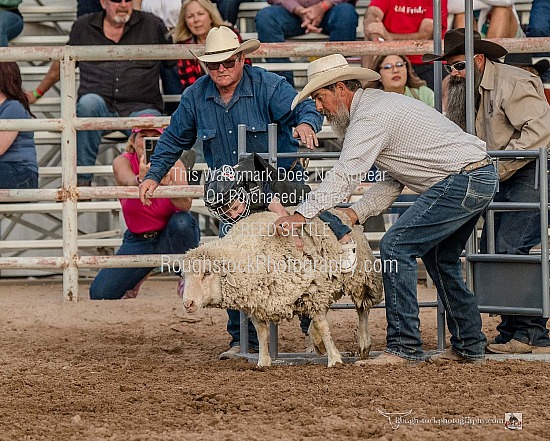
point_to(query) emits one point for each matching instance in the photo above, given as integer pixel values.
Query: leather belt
(148, 234)
(479, 164)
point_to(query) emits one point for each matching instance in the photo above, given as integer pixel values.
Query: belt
(475, 165)
(148, 234)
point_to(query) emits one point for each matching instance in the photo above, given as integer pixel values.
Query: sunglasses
(120, 1)
(458, 66)
(390, 66)
(228, 64)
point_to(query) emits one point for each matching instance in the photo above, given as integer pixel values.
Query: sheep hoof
(334, 361)
(264, 362)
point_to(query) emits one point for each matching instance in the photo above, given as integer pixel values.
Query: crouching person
(163, 227)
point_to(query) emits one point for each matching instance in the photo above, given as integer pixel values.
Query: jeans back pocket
(482, 186)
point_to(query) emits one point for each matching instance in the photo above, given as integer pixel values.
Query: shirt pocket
(256, 138)
(206, 135)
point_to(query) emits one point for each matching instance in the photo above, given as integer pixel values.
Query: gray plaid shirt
(414, 144)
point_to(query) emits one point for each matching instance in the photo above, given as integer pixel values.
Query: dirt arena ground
(141, 369)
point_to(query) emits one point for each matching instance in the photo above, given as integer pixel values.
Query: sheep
(269, 278)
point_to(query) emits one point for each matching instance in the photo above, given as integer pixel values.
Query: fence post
(68, 177)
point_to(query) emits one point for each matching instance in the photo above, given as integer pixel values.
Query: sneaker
(450, 356)
(133, 293)
(181, 287)
(348, 260)
(386, 359)
(517, 347)
(233, 353)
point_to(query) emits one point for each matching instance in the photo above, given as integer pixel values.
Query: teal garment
(422, 93)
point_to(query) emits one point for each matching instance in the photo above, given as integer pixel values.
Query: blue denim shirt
(261, 98)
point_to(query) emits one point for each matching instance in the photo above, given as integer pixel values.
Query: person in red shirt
(389, 20)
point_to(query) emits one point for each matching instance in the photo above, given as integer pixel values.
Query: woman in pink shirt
(164, 227)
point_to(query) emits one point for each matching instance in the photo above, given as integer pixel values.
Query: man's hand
(376, 30)
(306, 134)
(351, 214)
(315, 14)
(146, 190)
(285, 224)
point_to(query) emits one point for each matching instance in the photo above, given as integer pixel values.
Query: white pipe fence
(68, 124)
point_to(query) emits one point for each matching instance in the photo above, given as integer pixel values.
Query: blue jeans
(229, 9)
(516, 232)
(181, 234)
(435, 229)
(275, 24)
(11, 25)
(88, 141)
(17, 176)
(339, 228)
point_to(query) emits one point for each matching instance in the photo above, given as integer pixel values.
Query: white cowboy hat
(329, 70)
(222, 43)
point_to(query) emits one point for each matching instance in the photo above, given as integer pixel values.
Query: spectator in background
(511, 114)
(84, 7)
(18, 166)
(397, 75)
(112, 88)
(234, 93)
(539, 26)
(168, 11)
(196, 18)
(11, 21)
(492, 18)
(290, 18)
(390, 20)
(164, 227)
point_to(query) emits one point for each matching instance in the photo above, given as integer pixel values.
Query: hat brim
(330, 77)
(488, 48)
(247, 47)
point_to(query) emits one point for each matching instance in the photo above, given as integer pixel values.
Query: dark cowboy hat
(519, 60)
(454, 43)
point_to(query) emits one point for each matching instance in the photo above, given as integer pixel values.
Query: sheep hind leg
(264, 358)
(316, 339)
(364, 336)
(321, 326)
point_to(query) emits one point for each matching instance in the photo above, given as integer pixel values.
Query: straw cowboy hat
(454, 43)
(329, 70)
(222, 43)
(520, 60)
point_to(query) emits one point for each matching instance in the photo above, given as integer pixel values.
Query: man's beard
(339, 121)
(121, 20)
(456, 98)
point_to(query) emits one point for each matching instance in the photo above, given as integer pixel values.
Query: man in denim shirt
(212, 108)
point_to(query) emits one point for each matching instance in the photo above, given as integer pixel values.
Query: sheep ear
(231, 279)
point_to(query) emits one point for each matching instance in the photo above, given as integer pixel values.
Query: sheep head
(203, 281)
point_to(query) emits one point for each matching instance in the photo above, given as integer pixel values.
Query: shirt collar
(244, 88)
(488, 80)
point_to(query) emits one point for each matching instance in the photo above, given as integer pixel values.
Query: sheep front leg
(261, 329)
(321, 326)
(364, 336)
